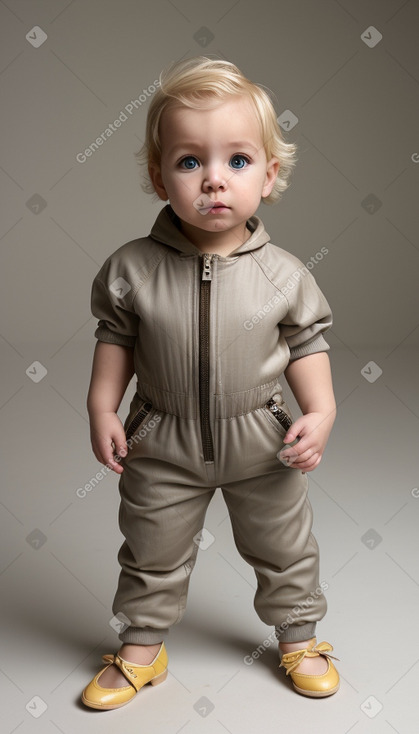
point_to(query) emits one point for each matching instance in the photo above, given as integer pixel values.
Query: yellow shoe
(312, 685)
(137, 676)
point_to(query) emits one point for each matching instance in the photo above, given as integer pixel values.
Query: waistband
(224, 405)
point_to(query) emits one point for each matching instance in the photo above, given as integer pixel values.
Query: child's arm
(113, 367)
(310, 380)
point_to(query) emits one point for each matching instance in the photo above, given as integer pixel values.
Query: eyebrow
(237, 144)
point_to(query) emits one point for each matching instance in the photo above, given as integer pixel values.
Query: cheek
(181, 186)
(252, 180)
(250, 189)
(171, 178)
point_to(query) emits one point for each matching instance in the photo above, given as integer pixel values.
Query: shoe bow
(125, 667)
(291, 660)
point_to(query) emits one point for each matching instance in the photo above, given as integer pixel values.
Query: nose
(214, 178)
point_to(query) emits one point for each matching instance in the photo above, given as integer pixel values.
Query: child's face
(214, 156)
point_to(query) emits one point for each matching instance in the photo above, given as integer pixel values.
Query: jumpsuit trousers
(165, 489)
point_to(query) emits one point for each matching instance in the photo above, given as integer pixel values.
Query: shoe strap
(291, 660)
(126, 668)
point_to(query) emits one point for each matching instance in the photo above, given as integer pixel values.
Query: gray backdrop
(345, 75)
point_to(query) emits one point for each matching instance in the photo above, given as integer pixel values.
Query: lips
(215, 207)
(205, 205)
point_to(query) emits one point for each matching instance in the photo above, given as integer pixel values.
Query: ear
(272, 168)
(154, 172)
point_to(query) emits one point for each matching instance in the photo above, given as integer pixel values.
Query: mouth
(214, 208)
(205, 205)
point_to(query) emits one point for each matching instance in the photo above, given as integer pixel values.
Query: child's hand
(313, 430)
(108, 439)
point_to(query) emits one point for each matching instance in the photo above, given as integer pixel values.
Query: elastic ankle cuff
(143, 635)
(296, 632)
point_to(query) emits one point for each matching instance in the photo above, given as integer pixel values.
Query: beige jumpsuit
(211, 337)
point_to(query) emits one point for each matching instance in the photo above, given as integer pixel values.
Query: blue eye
(189, 163)
(238, 161)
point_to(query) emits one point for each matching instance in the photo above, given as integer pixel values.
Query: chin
(215, 226)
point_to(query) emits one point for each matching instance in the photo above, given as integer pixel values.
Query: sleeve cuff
(106, 335)
(319, 344)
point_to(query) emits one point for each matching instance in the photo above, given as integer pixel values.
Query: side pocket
(281, 417)
(138, 418)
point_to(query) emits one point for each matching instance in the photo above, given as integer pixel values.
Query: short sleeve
(112, 303)
(308, 318)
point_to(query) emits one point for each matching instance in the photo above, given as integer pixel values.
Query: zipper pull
(206, 267)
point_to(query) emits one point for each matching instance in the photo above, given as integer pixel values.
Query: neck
(220, 243)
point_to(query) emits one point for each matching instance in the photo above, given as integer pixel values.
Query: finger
(108, 460)
(290, 436)
(119, 440)
(118, 469)
(114, 463)
(292, 433)
(305, 456)
(302, 445)
(290, 456)
(308, 465)
(287, 455)
(113, 459)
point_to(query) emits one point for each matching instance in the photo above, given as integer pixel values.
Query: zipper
(283, 419)
(204, 357)
(138, 418)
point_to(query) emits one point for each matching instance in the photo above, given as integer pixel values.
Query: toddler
(209, 314)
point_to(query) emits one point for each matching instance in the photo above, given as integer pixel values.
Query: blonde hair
(195, 81)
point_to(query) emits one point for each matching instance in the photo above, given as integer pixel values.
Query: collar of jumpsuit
(162, 231)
